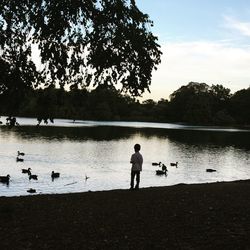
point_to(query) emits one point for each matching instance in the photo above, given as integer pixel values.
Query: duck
(156, 163)
(31, 190)
(26, 171)
(55, 175)
(32, 176)
(19, 159)
(163, 171)
(172, 164)
(20, 153)
(5, 179)
(210, 170)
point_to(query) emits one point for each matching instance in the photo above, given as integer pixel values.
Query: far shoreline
(68, 123)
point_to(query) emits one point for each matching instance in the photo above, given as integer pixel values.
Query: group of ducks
(163, 167)
(6, 179)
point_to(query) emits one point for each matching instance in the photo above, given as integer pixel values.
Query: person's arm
(132, 159)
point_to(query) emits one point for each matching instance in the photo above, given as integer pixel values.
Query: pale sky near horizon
(202, 41)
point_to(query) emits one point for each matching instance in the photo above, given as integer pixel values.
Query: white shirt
(136, 160)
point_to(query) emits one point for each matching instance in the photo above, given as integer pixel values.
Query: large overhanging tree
(81, 43)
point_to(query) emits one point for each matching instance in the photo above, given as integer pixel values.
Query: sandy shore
(204, 216)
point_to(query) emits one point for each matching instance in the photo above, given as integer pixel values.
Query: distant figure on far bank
(136, 161)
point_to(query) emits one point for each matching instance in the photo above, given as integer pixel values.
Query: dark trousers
(133, 174)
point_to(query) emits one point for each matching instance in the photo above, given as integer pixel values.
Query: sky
(202, 41)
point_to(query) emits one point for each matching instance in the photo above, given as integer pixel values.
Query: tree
(183, 100)
(220, 92)
(240, 106)
(149, 103)
(220, 97)
(162, 110)
(81, 42)
(198, 110)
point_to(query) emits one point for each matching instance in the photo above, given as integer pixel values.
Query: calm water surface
(102, 150)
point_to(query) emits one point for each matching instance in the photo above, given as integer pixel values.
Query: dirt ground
(202, 216)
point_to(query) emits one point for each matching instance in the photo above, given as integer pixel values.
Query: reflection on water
(102, 153)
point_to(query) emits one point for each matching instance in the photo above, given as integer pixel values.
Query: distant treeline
(195, 103)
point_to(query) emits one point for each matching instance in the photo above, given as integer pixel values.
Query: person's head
(137, 147)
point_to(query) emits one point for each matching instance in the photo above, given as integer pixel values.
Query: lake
(102, 150)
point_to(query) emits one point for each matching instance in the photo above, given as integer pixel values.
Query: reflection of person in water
(136, 160)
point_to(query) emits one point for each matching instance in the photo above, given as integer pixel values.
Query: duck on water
(174, 164)
(32, 176)
(26, 171)
(163, 170)
(31, 190)
(19, 159)
(55, 175)
(5, 179)
(20, 153)
(156, 163)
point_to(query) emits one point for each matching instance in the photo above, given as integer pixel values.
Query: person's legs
(137, 179)
(132, 179)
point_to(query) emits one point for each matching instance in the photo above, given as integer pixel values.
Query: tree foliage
(198, 103)
(240, 106)
(195, 103)
(81, 43)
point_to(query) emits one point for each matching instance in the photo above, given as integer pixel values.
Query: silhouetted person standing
(136, 160)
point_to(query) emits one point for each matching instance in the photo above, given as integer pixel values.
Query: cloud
(242, 27)
(200, 61)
